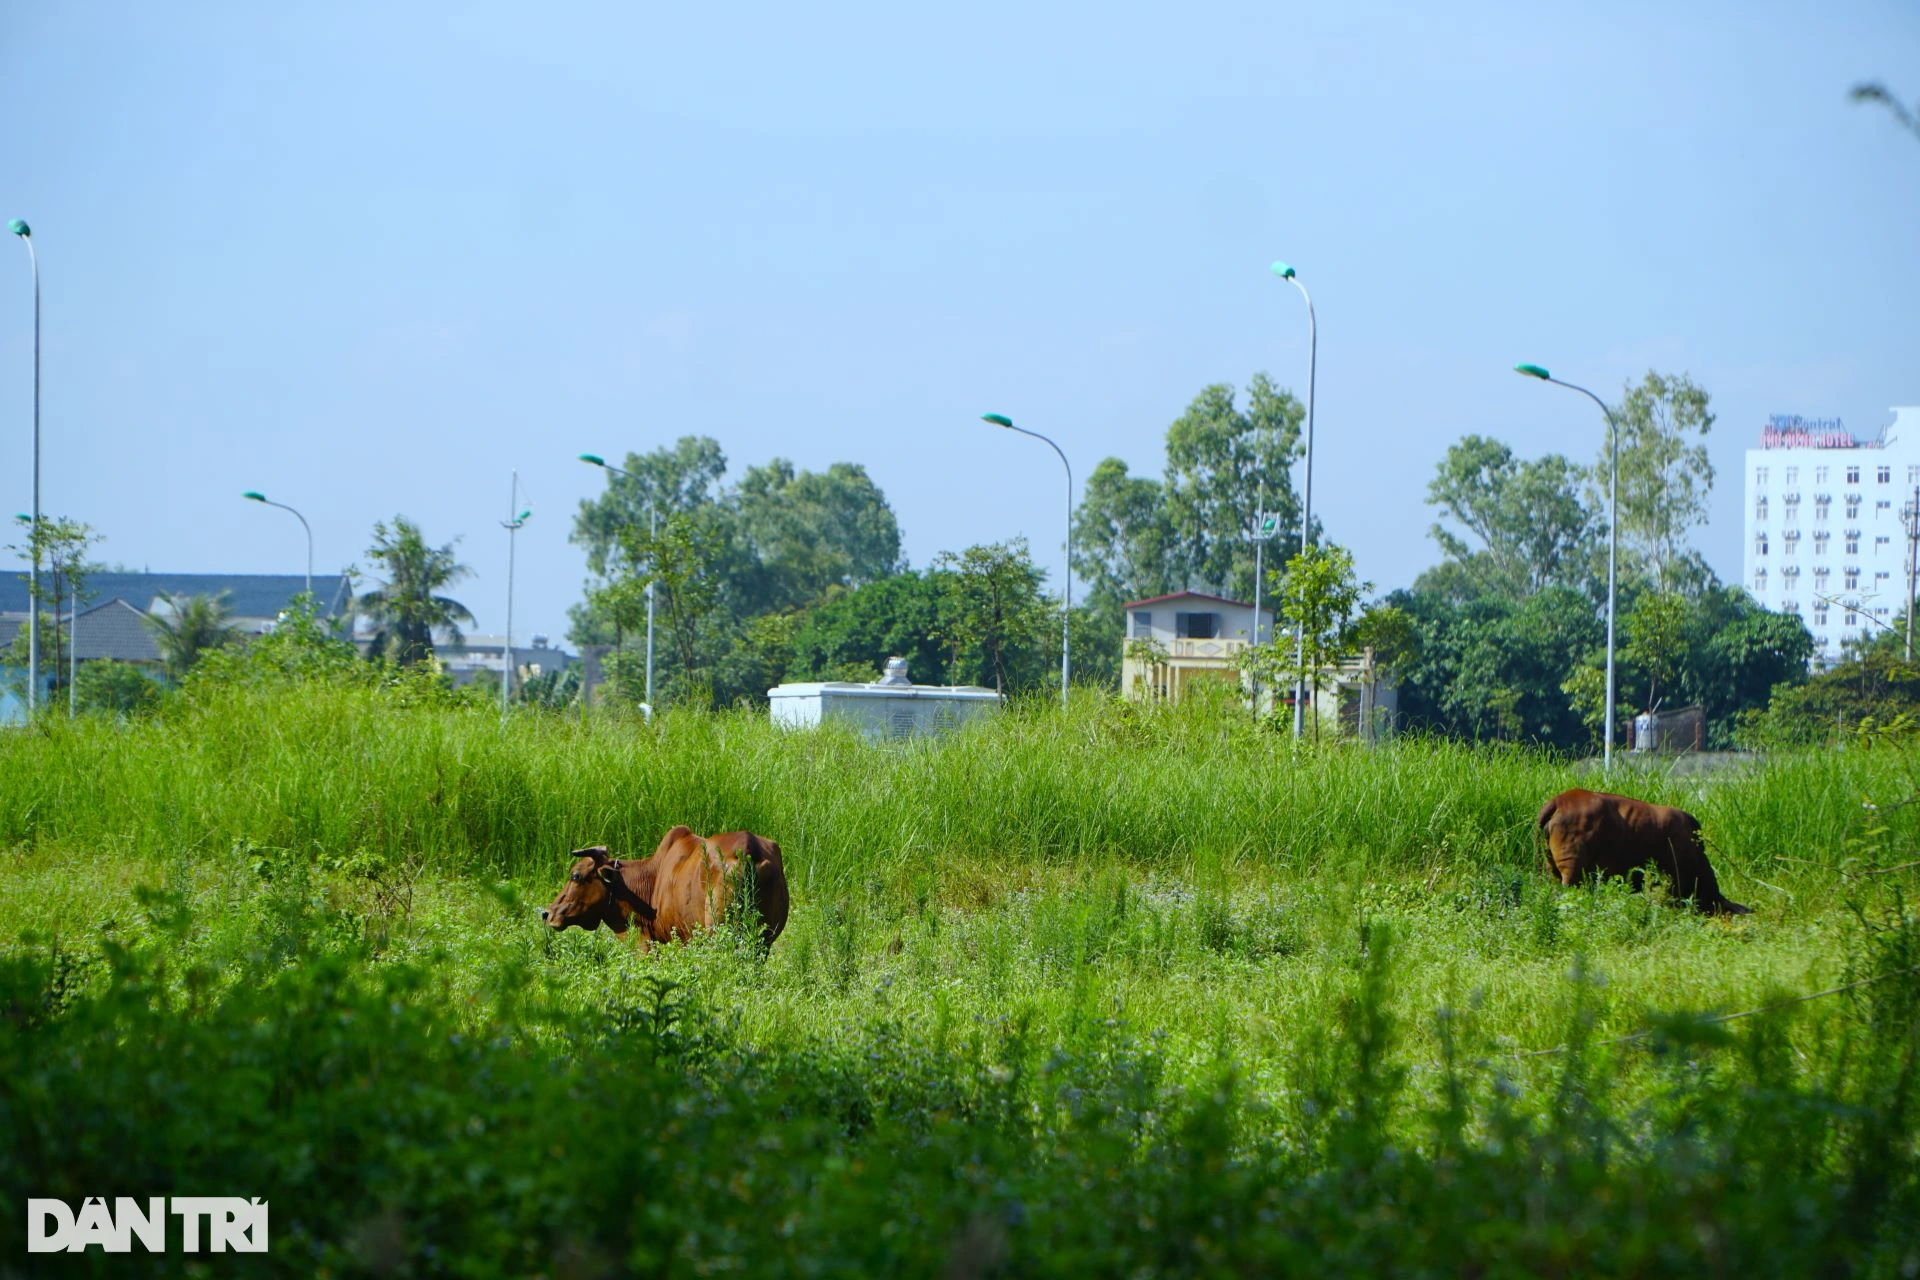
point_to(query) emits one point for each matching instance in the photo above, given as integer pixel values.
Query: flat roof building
(1826, 524)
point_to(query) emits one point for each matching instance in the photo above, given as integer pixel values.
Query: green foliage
(60, 546)
(300, 648)
(807, 532)
(990, 606)
(1317, 596)
(190, 627)
(1665, 478)
(407, 607)
(1491, 668)
(1533, 527)
(1220, 459)
(1124, 547)
(860, 629)
(1874, 687)
(106, 687)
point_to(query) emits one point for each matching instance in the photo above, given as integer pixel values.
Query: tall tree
(407, 607)
(1123, 541)
(805, 532)
(1532, 526)
(1665, 477)
(992, 606)
(190, 627)
(684, 476)
(1318, 596)
(61, 546)
(682, 552)
(1220, 458)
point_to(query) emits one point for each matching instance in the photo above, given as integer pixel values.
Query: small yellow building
(1174, 640)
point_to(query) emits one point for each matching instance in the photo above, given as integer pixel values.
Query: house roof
(249, 595)
(113, 630)
(1186, 595)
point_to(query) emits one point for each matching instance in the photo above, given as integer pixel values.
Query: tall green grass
(338, 772)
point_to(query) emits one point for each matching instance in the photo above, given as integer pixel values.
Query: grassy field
(1135, 992)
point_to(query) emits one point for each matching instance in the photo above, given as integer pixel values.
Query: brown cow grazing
(687, 885)
(1592, 833)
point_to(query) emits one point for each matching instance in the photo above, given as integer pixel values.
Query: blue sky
(369, 258)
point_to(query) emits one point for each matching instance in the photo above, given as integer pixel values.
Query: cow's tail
(1546, 813)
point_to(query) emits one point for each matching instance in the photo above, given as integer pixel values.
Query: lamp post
(252, 496)
(19, 227)
(512, 526)
(1613, 532)
(1066, 614)
(595, 460)
(1286, 272)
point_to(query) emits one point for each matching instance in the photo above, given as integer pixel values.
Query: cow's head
(596, 893)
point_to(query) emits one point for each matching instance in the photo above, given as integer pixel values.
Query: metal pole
(25, 233)
(1306, 501)
(1259, 546)
(512, 523)
(1066, 615)
(1913, 562)
(652, 577)
(1613, 549)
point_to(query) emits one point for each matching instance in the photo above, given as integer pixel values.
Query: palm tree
(191, 626)
(405, 608)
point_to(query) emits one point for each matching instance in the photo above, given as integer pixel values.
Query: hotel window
(1793, 475)
(1882, 575)
(1853, 475)
(1853, 506)
(1851, 617)
(1853, 542)
(1851, 582)
(1820, 615)
(1821, 505)
(1913, 475)
(1792, 538)
(1759, 544)
(1820, 539)
(1820, 577)
(1819, 475)
(1881, 541)
(1759, 581)
(1793, 607)
(1885, 504)
(1760, 507)
(1142, 624)
(1884, 475)
(1759, 475)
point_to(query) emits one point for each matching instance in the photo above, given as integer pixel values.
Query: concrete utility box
(888, 708)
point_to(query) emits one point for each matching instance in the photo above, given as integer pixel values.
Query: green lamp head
(593, 458)
(254, 497)
(523, 515)
(1282, 270)
(997, 419)
(20, 228)
(1533, 371)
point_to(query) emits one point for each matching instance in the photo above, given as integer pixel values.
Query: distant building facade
(1175, 641)
(1826, 524)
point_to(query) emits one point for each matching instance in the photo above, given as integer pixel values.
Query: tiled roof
(249, 595)
(113, 630)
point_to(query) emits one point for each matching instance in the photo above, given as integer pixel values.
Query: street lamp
(512, 526)
(19, 227)
(252, 496)
(1286, 272)
(595, 460)
(1066, 614)
(1613, 531)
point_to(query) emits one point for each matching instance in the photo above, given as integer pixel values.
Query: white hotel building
(1826, 535)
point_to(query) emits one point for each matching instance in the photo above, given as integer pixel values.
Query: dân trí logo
(218, 1224)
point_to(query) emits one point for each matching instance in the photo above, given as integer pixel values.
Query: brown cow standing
(687, 885)
(1592, 833)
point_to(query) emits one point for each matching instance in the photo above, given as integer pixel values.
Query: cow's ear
(609, 872)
